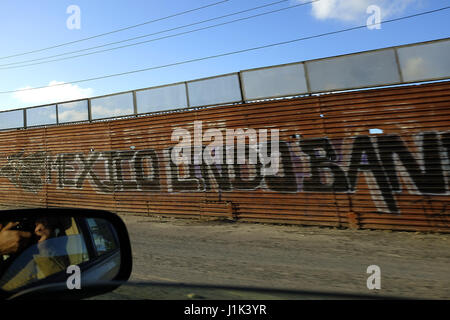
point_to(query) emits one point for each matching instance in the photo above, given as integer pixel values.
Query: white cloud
(72, 115)
(55, 92)
(355, 10)
(100, 111)
(417, 68)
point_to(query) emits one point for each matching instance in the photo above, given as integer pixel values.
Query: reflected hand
(11, 241)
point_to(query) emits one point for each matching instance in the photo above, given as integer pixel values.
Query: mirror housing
(72, 249)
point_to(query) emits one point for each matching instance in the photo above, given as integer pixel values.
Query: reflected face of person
(42, 230)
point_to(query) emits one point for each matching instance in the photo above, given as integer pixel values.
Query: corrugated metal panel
(334, 172)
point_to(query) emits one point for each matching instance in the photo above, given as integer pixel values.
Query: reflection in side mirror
(66, 246)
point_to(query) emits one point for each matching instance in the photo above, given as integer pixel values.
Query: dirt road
(291, 257)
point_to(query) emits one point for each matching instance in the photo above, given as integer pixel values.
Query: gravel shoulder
(290, 257)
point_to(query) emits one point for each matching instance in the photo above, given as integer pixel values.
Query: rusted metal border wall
(333, 170)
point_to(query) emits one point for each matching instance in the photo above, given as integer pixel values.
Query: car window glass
(102, 235)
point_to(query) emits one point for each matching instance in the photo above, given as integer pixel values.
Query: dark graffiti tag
(26, 172)
(308, 165)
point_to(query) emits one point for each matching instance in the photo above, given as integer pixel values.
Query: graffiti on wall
(25, 172)
(321, 165)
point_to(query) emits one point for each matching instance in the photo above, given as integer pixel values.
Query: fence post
(89, 110)
(57, 114)
(241, 87)
(187, 95)
(135, 110)
(24, 118)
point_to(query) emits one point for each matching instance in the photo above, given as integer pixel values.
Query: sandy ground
(289, 257)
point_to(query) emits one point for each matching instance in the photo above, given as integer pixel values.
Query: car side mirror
(72, 249)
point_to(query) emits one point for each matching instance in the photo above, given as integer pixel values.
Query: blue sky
(29, 25)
